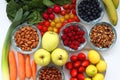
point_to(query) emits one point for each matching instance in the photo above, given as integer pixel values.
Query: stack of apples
(49, 51)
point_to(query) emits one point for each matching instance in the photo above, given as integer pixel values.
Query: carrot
(28, 67)
(34, 69)
(12, 66)
(21, 66)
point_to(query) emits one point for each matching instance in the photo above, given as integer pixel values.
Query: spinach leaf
(48, 3)
(34, 18)
(12, 8)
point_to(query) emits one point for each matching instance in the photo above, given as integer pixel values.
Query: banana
(111, 11)
(116, 3)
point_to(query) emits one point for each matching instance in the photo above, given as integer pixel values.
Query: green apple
(50, 40)
(42, 57)
(59, 56)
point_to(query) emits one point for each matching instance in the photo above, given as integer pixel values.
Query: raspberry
(66, 30)
(65, 42)
(63, 37)
(82, 40)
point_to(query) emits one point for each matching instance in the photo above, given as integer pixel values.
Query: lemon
(88, 79)
(101, 66)
(93, 56)
(98, 76)
(91, 70)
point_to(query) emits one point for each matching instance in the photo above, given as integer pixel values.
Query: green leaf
(48, 3)
(12, 8)
(34, 18)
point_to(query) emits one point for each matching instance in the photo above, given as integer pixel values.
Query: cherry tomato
(47, 23)
(76, 18)
(73, 72)
(69, 65)
(80, 76)
(76, 64)
(44, 29)
(81, 69)
(73, 58)
(70, 20)
(85, 63)
(65, 6)
(73, 78)
(39, 27)
(81, 56)
(67, 11)
(63, 12)
(74, 11)
(42, 33)
(73, 1)
(70, 6)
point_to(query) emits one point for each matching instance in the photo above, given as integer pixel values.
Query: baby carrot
(12, 66)
(21, 66)
(28, 66)
(34, 69)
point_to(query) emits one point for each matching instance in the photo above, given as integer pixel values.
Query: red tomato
(80, 76)
(70, 20)
(67, 11)
(44, 29)
(65, 6)
(47, 23)
(73, 1)
(70, 6)
(69, 65)
(63, 12)
(76, 64)
(85, 63)
(81, 56)
(81, 69)
(73, 78)
(74, 11)
(73, 58)
(73, 72)
(39, 27)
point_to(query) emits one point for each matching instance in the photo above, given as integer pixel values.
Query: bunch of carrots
(25, 69)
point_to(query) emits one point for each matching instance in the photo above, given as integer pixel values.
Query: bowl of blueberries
(90, 11)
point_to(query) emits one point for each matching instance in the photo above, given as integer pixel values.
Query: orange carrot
(21, 66)
(28, 67)
(34, 69)
(12, 66)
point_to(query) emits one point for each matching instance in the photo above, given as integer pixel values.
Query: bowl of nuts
(73, 36)
(26, 38)
(102, 36)
(50, 72)
(90, 11)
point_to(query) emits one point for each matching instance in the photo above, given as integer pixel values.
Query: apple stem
(60, 57)
(41, 57)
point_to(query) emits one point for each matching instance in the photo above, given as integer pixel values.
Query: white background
(111, 56)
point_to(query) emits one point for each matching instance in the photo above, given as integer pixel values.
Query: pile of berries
(77, 66)
(72, 36)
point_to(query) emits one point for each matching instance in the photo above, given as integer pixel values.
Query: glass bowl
(114, 40)
(50, 65)
(81, 27)
(93, 21)
(18, 48)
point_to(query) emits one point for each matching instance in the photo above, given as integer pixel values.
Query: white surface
(112, 56)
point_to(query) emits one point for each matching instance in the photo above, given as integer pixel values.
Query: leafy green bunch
(35, 8)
